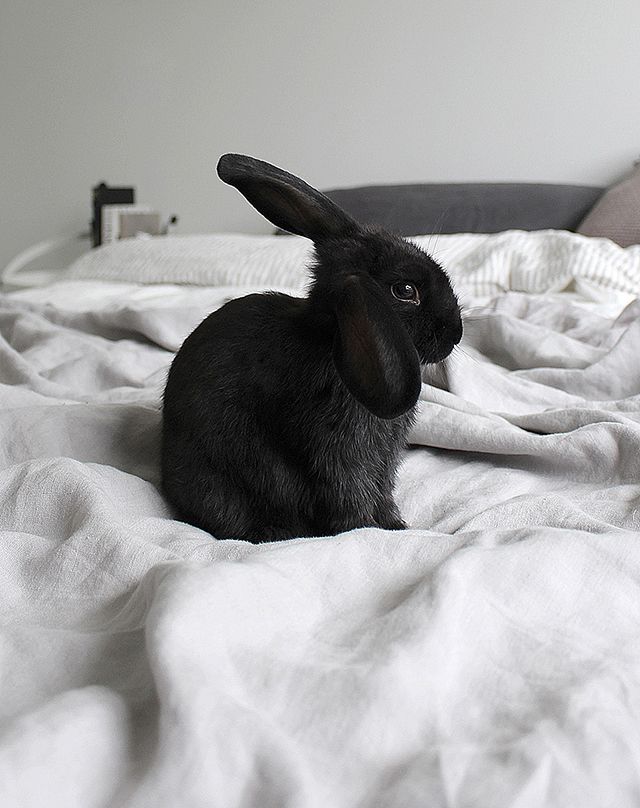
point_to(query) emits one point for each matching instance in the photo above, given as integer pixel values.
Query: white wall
(341, 91)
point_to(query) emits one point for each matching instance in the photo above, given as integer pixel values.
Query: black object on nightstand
(104, 195)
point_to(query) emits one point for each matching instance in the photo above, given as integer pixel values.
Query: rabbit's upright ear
(287, 201)
(373, 352)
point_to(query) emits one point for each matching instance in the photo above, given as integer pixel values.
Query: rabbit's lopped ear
(287, 201)
(373, 353)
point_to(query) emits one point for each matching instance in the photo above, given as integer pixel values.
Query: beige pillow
(616, 215)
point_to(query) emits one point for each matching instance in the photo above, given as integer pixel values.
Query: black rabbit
(286, 416)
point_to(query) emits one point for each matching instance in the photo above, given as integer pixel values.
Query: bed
(487, 656)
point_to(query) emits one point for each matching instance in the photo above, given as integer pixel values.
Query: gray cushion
(468, 207)
(412, 210)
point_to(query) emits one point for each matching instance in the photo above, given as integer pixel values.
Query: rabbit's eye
(406, 292)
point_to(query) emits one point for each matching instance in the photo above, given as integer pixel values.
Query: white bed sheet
(490, 655)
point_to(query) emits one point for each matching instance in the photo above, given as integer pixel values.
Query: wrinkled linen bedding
(488, 656)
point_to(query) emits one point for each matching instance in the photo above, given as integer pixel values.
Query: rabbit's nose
(456, 334)
(450, 327)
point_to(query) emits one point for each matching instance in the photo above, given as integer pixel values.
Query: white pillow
(229, 259)
(479, 264)
(210, 260)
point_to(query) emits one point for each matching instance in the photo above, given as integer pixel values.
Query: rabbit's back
(254, 356)
(231, 420)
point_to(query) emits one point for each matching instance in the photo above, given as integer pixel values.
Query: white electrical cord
(14, 275)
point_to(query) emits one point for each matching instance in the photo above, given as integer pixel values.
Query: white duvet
(488, 656)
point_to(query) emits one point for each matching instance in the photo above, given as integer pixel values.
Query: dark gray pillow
(413, 210)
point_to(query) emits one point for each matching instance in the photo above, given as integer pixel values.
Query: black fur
(285, 416)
